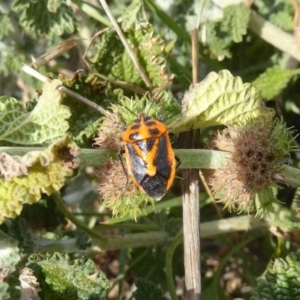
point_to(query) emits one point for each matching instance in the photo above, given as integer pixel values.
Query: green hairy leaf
(54, 5)
(43, 172)
(217, 45)
(280, 281)
(63, 278)
(4, 25)
(147, 290)
(282, 19)
(9, 60)
(133, 13)
(113, 61)
(219, 99)
(273, 81)
(235, 21)
(84, 121)
(9, 257)
(45, 18)
(44, 124)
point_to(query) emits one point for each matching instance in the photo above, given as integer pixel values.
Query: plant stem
(60, 204)
(92, 11)
(153, 238)
(34, 73)
(233, 224)
(190, 158)
(175, 202)
(274, 35)
(132, 240)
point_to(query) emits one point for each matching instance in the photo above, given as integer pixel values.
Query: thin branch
(134, 88)
(55, 51)
(34, 73)
(131, 54)
(123, 84)
(195, 54)
(83, 100)
(210, 194)
(89, 46)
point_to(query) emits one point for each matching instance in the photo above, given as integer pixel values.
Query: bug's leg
(178, 161)
(120, 153)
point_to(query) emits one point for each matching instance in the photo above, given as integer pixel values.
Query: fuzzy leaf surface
(147, 290)
(45, 18)
(9, 258)
(217, 45)
(235, 21)
(282, 19)
(113, 61)
(84, 121)
(63, 278)
(220, 99)
(9, 253)
(280, 280)
(272, 82)
(44, 124)
(4, 25)
(9, 60)
(47, 172)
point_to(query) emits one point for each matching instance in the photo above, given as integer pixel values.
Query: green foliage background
(32, 115)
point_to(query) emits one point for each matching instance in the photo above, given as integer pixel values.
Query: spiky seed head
(258, 151)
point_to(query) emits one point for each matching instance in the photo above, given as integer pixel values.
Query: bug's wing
(137, 168)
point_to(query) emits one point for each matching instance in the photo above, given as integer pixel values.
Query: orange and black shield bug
(150, 159)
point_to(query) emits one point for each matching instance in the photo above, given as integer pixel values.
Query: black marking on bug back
(135, 126)
(161, 160)
(150, 123)
(154, 186)
(146, 145)
(153, 131)
(138, 165)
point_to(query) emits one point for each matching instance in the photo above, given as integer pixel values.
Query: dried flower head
(118, 194)
(112, 181)
(258, 151)
(110, 131)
